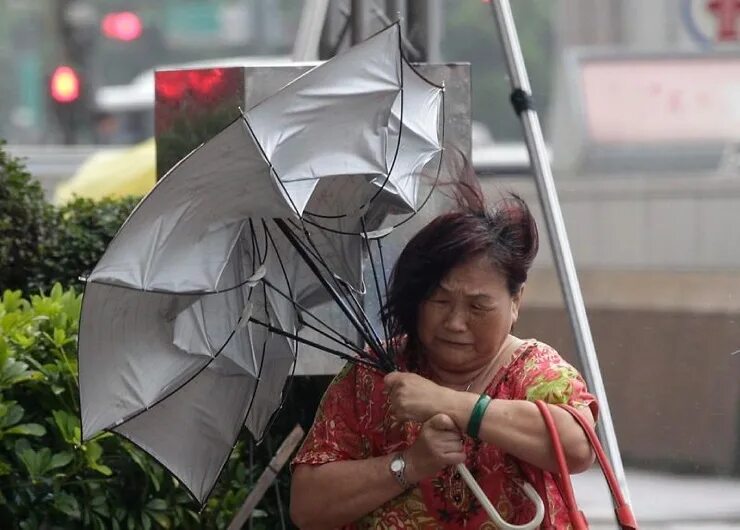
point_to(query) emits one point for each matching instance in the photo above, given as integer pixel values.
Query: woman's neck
(471, 379)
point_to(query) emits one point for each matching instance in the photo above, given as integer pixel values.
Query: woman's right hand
(439, 445)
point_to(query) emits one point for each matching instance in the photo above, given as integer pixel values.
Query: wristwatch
(398, 469)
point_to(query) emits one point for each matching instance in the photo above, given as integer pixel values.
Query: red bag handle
(624, 514)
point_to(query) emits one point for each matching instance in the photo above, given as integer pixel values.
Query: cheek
(429, 320)
(489, 332)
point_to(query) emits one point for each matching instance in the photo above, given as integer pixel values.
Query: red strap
(566, 486)
(623, 512)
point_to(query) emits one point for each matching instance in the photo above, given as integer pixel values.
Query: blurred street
(664, 501)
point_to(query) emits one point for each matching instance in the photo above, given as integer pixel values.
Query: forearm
(517, 427)
(337, 493)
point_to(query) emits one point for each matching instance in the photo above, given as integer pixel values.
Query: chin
(453, 356)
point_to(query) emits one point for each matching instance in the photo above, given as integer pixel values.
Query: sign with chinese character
(712, 22)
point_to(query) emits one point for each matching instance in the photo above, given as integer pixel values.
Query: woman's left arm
(515, 426)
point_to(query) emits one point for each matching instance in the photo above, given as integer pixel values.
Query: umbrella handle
(529, 491)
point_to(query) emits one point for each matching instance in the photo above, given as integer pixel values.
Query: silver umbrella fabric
(189, 320)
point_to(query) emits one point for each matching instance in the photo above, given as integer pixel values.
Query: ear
(516, 301)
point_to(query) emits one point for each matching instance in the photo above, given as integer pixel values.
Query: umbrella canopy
(190, 320)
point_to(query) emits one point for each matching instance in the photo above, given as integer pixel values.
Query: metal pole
(313, 16)
(424, 29)
(359, 21)
(558, 236)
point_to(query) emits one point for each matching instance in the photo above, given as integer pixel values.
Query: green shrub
(40, 244)
(25, 222)
(83, 230)
(49, 479)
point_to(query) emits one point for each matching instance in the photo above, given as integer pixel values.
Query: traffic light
(65, 96)
(124, 26)
(65, 85)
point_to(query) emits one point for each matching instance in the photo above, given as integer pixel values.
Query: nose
(455, 320)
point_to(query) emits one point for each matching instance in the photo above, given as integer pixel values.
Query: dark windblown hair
(506, 234)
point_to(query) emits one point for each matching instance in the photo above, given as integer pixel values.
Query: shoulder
(542, 373)
(537, 356)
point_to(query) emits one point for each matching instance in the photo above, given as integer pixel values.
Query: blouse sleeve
(336, 433)
(548, 377)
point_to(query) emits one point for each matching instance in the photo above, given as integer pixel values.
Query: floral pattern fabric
(354, 422)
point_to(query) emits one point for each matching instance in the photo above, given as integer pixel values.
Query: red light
(124, 25)
(65, 85)
(202, 84)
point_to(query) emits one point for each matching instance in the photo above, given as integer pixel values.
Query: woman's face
(468, 316)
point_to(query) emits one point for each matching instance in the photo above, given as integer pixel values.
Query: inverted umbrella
(171, 352)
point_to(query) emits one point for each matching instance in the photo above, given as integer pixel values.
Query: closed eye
(439, 301)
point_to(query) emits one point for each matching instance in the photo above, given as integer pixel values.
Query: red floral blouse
(353, 422)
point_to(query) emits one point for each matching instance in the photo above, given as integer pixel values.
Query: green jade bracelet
(476, 417)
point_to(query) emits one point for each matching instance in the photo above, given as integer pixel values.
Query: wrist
(411, 471)
(463, 408)
(400, 469)
(475, 420)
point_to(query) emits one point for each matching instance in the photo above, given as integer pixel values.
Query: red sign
(661, 100)
(727, 13)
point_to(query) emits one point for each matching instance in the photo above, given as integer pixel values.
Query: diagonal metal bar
(562, 254)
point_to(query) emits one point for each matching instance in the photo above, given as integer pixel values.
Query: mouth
(453, 342)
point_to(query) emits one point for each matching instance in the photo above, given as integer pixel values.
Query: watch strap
(400, 474)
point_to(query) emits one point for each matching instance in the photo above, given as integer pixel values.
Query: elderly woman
(382, 449)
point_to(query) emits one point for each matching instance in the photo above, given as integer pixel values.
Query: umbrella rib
(344, 341)
(341, 302)
(262, 362)
(349, 345)
(338, 338)
(375, 277)
(308, 342)
(391, 343)
(348, 293)
(347, 290)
